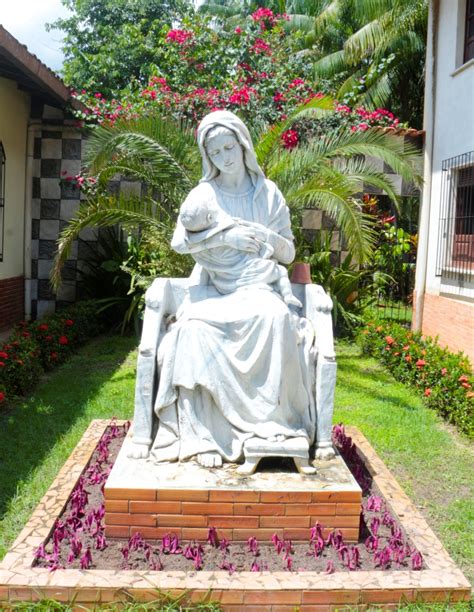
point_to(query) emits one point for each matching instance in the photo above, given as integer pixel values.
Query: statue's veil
(228, 120)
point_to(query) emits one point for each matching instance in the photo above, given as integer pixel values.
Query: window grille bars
(455, 249)
(2, 198)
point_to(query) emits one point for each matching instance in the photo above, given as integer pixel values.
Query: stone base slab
(187, 499)
(441, 581)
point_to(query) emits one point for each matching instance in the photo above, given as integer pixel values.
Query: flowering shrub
(443, 378)
(41, 345)
(254, 70)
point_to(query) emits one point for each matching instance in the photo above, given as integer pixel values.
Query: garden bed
(78, 539)
(438, 580)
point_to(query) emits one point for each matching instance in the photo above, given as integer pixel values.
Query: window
(2, 197)
(469, 31)
(455, 257)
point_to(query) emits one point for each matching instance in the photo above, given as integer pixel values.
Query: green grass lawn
(434, 465)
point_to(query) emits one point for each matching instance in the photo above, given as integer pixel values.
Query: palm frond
(129, 212)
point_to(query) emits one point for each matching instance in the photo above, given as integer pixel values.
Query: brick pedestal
(158, 499)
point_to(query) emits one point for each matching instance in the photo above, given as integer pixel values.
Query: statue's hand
(261, 232)
(138, 451)
(242, 238)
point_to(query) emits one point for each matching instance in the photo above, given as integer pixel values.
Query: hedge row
(37, 346)
(443, 378)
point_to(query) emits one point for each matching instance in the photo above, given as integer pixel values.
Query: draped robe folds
(233, 365)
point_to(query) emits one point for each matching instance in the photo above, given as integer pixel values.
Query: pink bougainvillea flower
(238, 30)
(330, 569)
(178, 36)
(420, 363)
(417, 560)
(212, 537)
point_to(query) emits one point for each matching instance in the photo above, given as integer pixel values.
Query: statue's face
(225, 152)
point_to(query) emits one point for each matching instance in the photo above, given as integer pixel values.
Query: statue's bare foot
(209, 460)
(325, 453)
(279, 438)
(138, 451)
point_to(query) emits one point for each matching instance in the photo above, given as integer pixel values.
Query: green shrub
(36, 346)
(442, 377)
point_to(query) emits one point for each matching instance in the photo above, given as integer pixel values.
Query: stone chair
(163, 299)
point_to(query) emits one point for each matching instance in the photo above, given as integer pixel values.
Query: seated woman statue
(233, 367)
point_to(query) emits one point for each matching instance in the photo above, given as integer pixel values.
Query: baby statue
(226, 264)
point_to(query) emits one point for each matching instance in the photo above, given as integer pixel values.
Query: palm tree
(326, 174)
(383, 57)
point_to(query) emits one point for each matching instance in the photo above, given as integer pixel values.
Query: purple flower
(255, 566)
(212, 537)
(86, 559)
(374, 525)
(252, 544)
(224, 545)
(330, 569)
(416, 560)
(100, 542)
(40, 553)
(374, 503)
(226, 565)
(372, 543)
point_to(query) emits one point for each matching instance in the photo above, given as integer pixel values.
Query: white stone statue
(232, 365)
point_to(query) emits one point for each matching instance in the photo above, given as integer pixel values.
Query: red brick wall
(452, 321)
(12, 291)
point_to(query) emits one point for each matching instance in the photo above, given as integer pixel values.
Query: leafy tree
(110, 43)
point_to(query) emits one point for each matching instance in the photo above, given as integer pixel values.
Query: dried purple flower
(252, 544)
(330, 569)
(212, 537)
(86, 559)
(416, 560)
(374, 503)
(226, 565)
(255, 566)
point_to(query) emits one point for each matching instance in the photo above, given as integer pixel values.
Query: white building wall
(453, 123)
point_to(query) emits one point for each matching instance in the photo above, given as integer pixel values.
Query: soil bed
(78, 541)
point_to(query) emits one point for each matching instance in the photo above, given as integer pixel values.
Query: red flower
(420, 363)
(466, 385)
(54, 355)
(63, 340)
(389, 340)
(43, 327)
(290, 139)
(178, 36)
(26, 334)
(3, 355)
(2, 396)
(408, 358)
(427, 392)
(2, 365)
(238, 30)
(461, 379)
(69, 322)
(260, 46)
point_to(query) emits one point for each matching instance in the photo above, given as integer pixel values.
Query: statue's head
(220, 124)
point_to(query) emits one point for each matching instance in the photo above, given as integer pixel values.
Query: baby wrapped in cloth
(228, 267)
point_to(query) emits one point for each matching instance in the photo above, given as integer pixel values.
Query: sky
(25, 20)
